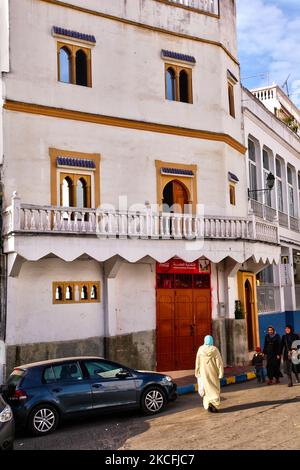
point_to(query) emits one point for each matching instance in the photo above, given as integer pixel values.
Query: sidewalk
(187, 383)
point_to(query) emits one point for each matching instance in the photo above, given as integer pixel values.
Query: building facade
(274, 146)
(126, 226)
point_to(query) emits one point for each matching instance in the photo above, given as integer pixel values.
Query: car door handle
(97, 385)
(56, 390)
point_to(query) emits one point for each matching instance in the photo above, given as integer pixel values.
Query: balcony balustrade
(26, 218)
(209, 6)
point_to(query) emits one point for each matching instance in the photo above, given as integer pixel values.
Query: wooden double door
(183, 320)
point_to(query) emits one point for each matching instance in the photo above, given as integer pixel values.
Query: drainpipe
(3, 293)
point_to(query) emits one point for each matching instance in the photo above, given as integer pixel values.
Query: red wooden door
(165, 330)
(183, 319)
(202, 315)
(184, 331)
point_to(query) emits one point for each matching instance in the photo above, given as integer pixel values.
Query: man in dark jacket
(286, 350)
(272, 352)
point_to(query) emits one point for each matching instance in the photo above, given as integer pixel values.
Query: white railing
(283, 219)
(210, 6)
(265, 231)
(294, 224)
(263, 211)
(125, 224)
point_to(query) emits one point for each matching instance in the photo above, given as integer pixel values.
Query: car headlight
(167, 379)
(6, 415)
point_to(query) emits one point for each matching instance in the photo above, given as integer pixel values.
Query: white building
(112, 112)
(274, 147)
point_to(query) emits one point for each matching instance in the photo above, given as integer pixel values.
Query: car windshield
(15, 377)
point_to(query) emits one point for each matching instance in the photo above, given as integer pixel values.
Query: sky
(269, 43)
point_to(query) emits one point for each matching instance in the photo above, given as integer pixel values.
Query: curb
(235, 379)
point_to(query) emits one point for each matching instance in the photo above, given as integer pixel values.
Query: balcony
(101, 223)
(208, 6)
(268, 213)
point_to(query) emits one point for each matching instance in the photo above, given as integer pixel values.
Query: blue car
(7, 426)
(44, 393)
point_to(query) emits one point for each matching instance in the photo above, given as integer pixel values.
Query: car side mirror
(123, 374)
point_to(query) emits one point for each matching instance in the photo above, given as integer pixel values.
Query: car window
(102, 369)
(70, 371)
(15, 377)
(49, 375)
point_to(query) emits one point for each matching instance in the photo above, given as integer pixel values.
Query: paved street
(252, 417)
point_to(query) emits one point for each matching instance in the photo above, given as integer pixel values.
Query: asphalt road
(252, 417)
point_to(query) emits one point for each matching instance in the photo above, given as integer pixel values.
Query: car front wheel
(43, 420)
(153, 400)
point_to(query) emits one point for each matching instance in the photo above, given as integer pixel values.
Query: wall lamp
(270, 186)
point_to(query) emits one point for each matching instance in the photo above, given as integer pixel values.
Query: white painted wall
(135, 299)
(4, 61)
(31, 315)
(127, 157)
(128, 72)
(171, 18)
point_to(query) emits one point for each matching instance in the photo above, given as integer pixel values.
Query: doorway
(249, 316)
(175, 197)
(183, 316)
(248, 298)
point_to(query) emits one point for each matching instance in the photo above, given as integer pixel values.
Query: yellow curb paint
(251, 375)
(230, 380)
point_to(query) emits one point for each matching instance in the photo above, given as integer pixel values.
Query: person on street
(287, 341)
(272, 350)
(209, 370)
(258, 363)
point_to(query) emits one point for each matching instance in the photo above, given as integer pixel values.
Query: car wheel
(43, 420)
(153, 400)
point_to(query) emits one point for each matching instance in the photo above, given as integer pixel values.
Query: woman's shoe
(270, 382)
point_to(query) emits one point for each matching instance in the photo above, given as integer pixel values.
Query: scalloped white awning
(34, 248)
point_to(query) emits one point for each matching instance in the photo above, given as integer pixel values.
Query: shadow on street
(248, 406)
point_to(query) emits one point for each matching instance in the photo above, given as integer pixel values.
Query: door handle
(97, 385)
(56, 390)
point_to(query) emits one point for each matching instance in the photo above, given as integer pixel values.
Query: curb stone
(235, 379)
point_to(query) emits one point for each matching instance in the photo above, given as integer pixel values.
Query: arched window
(84, 293)
(94, 293)
(81, 193)
(67, 193)
(171, 84)
(69, 293)
(58, 293)
(184, 86)
(65, 65)
(178, 83)
(81, 68)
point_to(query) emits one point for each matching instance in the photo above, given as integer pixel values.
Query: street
(253, 417)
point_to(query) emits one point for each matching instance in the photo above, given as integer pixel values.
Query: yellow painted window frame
(95, 157)
(177, 69)
(190, 183)
(231, 101)
(79, 284)
(73, 50)
(232, 194)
